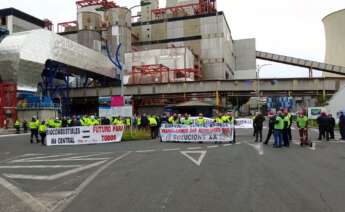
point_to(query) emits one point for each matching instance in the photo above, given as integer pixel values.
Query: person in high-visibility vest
(42, 129)
(187, 120)
(220, 118)
(153, 126)
(200, 120)
(286, 119)
(33, 125)
(57, 123)
(128, 122)
(302, 125)
(278, 129)
(174, 119)
(51, 123)
(93, 121)
(17, 126)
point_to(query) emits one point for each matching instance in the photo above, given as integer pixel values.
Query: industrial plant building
(166, 57)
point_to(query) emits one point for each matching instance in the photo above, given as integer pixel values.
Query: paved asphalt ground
(152, 176)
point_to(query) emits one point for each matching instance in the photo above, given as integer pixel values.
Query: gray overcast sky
(288, 27)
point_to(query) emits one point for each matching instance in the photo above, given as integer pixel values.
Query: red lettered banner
(190, 134)
(84, 135)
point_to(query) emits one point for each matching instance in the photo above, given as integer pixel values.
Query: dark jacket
(259, 120)
(271, 122)
(342, 121)
(323, 121)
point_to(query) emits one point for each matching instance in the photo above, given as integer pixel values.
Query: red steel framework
(203, 7)
(64, 25)
(158, 73)
(8, 104)
(104, 3)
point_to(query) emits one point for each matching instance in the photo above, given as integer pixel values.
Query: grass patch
(136, 134)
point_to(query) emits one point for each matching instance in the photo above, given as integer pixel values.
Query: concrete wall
(245, 53)
(215, 48)
(337, 103)
(40, 114)
(18, 25)
(335, 39)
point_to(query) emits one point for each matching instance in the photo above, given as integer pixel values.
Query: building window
(3, 20)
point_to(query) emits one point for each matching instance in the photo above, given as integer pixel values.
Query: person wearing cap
(271, 122)
(33, 125)
(302, 124)
(42, 129)
(323, 122)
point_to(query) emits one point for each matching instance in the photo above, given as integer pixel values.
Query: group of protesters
(38, 127)
(279, 125)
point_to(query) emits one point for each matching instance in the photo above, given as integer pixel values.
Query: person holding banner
(200, 120)
(219, 119)
(174, 119)
(187, 120)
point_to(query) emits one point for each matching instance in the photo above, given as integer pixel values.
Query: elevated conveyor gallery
(301, 63)
(23, 57)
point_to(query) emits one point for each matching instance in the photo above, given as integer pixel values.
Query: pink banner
(117, 101)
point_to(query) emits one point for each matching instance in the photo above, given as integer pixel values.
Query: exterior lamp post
(258, 69)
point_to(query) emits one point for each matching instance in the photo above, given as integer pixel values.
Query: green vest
(200, 121)
(220, 120)
(138, 121)
(42, 128)
(280, 124)
(128, 122)
(17, 124)
(34, 124)
(152, 121)
(302, 121)
(287, 120)
(187, 121)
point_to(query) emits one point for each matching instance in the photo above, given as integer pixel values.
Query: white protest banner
(84, 135)
(244, 123)
(193, 134)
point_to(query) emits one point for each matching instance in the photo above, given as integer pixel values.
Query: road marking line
(211, 147)
(168, 150)
(41, 167)
(225, 145)
(192, 148)
(201, 157)
(29, 200)
(55, 176)
(238, 143)
(258, 147)
(59, 160)
(313, 146)
(92, 155)
(146, 151)
(41, 157)
(61, 205)
(14, 135)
